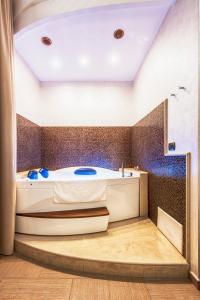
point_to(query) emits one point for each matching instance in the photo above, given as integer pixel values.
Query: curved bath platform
(134, 249)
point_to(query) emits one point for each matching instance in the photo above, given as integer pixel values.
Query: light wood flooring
(22, 279)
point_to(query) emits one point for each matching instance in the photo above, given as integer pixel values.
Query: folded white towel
(80, 191)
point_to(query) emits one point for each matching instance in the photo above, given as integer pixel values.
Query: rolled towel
(32, 174)
(44, 172)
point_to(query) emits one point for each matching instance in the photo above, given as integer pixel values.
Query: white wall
(71, 104)
(86, 104)
(173, 62)
(27, 92)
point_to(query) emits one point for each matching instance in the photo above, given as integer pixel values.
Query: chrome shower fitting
(122, 169)
(173, 95)
(182, 88)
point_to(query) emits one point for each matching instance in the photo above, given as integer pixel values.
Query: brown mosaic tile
(28, 144)
(96, 146)
(167, 174)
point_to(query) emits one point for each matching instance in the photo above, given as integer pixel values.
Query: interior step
(116, 252)
(69, 222)
(78, 213)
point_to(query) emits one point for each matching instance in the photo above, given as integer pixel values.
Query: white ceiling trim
(27, 12)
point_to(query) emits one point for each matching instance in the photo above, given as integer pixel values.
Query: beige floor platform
(133, 248)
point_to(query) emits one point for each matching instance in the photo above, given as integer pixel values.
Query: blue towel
(44, 172)
(32, 174)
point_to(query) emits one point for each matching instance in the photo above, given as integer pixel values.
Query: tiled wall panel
(95, 146)
(167, 174)
(28, 144)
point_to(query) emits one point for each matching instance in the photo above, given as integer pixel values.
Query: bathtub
(120, 198)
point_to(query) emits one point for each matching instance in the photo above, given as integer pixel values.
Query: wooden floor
(21, 279)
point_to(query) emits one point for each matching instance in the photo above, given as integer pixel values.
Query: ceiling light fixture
(56, 63)
(84, 61)
(118, 34)
(114, 59)
(46, 40)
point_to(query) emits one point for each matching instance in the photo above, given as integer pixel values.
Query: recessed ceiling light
(84, 61)
(114, 58)
(56, 63)
(46, 40)
(118, 34)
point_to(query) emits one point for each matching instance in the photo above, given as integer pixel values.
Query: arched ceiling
(83, 46)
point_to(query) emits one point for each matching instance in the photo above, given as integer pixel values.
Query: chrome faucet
(122, 169)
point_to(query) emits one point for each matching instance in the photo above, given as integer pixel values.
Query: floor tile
(47, 273)
(182, 291)
(89, 289)
(25, 289)
(128, 291)
(19, 269)
(25, 280)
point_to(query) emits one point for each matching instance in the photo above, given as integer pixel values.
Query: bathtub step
(78, 213)
(69, 222)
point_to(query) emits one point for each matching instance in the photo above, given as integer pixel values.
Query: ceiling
(83, 46)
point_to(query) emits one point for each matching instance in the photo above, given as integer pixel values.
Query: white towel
(80, 191)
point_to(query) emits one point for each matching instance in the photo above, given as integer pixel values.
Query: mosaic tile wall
(167, 174)
(103, 147)
(28, 144)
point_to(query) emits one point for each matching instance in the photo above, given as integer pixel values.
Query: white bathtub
(33, 196)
